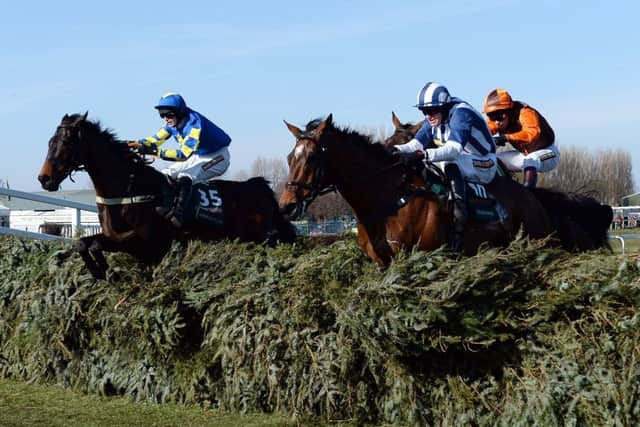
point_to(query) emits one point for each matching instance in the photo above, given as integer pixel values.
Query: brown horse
(579, 221)
(127, 189)
(395, 207)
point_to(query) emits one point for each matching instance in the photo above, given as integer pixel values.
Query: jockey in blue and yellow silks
(201, 156)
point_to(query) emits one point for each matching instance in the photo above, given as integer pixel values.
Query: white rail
(79, 207)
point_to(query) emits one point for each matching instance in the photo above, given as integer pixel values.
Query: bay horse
(128, 188)
(396, 209)
(579, 221)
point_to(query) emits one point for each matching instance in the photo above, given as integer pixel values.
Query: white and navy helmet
(433, 95)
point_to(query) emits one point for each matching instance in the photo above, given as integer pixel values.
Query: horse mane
(109, 138)
(365, 142)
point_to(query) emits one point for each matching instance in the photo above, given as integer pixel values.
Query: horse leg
(88, 247)
(285, 230)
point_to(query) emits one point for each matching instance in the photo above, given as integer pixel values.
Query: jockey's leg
(530, 177)
(182, 201)
(460, 215)
(165, 208)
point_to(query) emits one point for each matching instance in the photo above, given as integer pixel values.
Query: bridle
(77, 164)
(316, 188)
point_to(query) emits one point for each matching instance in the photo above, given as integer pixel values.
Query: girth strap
(124, 200)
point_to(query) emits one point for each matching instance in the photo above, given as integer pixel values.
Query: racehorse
(580, 222)
(396, 208)
(128, 188)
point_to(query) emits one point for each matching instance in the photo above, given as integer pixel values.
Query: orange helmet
(498, 99)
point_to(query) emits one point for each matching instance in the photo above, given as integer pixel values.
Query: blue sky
(249, 65)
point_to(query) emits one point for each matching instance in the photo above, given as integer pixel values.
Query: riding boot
(165, 209)
(460, 215)
(182, 202)
(530, 177)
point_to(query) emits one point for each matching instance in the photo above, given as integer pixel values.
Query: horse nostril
(43, 179)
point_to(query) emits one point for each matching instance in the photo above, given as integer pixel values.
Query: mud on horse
(128, 188)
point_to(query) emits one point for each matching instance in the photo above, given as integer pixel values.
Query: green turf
(24, 404)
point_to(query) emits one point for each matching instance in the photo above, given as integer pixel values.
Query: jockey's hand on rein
(142, 148)
(500, 140)
(410, 158)
(392, 150)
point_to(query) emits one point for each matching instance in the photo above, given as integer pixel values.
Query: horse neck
(109, 172)
(364, 181)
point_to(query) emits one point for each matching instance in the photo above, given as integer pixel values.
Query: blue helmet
(433, 95)
(171, 101)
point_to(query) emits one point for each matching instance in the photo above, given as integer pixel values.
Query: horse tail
(283, 230)
(581, 221)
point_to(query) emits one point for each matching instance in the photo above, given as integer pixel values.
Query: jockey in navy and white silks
(201, 156)
(462, 137)
(455, 137)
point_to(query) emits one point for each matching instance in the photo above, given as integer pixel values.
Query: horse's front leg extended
(91, 253)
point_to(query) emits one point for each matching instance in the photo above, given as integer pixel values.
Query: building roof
(17, 204)
(631, 200)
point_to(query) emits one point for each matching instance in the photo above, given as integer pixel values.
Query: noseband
(316, 188)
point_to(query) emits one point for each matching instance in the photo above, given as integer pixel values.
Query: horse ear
(395, 120)
(65, 117)
(84, 117)
(415, 128)
(323, 124)
(293, 129)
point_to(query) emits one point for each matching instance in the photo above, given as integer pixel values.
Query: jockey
(201, 156)
(526, 130)
(455, 137)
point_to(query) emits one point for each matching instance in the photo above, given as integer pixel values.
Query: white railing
(75, 225)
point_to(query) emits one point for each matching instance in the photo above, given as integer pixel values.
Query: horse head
(403, 132)
(66, 153)
(307, 167)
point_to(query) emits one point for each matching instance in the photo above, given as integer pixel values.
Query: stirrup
(164, 211)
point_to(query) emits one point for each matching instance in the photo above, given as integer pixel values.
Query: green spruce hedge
(519, 336)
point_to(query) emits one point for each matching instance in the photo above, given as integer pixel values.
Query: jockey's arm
(530, 128)
(493, 127)
(451, 150)
(187, 147)
(156, 140)
(410, 147)
(422, 139)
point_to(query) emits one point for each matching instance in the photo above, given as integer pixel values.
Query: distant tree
(274, 170)
(241, 175)
(605, 175)
(329, 206)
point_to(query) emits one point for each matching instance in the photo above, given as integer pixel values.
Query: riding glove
(147, 149)
(500, 140)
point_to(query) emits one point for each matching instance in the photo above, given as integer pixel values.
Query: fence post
(76, 223)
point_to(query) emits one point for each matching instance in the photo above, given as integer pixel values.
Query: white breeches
(201, 168)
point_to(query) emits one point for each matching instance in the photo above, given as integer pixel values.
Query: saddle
(481, 204)
(205, 205)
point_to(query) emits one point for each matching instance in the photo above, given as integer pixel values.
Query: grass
(23, 404)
